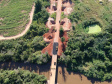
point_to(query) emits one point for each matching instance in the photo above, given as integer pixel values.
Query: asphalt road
(54, 48)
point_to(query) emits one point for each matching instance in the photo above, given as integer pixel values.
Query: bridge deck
(54, 56)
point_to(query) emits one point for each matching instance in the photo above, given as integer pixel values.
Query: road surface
(55, 44)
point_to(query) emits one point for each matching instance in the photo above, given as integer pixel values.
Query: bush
(62, 39)
(61, 31)
(62, 15)
(19, 76)
(53, 16)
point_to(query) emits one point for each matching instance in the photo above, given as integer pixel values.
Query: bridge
(58, 6)
(55, 44)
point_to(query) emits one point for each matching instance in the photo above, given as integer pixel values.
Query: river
(63, 76)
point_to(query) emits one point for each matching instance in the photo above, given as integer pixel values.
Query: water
(94, 29)
(63, 76)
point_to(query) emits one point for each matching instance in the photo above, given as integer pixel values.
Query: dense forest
(90, 54)
(19, 76)
(28, 48)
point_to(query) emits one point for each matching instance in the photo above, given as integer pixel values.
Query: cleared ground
(14, 15)
(94, 29)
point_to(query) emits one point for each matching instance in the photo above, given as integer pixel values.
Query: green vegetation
(53, 15)
(62, 39)
(94, 29)
(62, 15)
(61, 31)
(14, 15)
(28, 48)
(19, 76)
(90, 54)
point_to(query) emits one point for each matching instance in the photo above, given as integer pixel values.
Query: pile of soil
(66, 25)
(49, 38)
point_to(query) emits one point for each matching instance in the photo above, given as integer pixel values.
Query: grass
(14, 15)
(87, 9)
(94, 29)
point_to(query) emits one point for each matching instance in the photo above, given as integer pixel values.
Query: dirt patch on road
(50, 36)
(61, 45)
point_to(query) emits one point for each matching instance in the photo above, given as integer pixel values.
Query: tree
(38, 6)
(62, 39)
(42, 16)
(19, 76)
(53, 15)
(62, 15)
(61, 31)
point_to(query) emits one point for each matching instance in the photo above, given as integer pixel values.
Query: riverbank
(63, 76)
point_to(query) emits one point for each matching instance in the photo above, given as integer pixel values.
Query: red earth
(66, 25)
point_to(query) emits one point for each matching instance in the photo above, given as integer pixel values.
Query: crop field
(14, 15)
